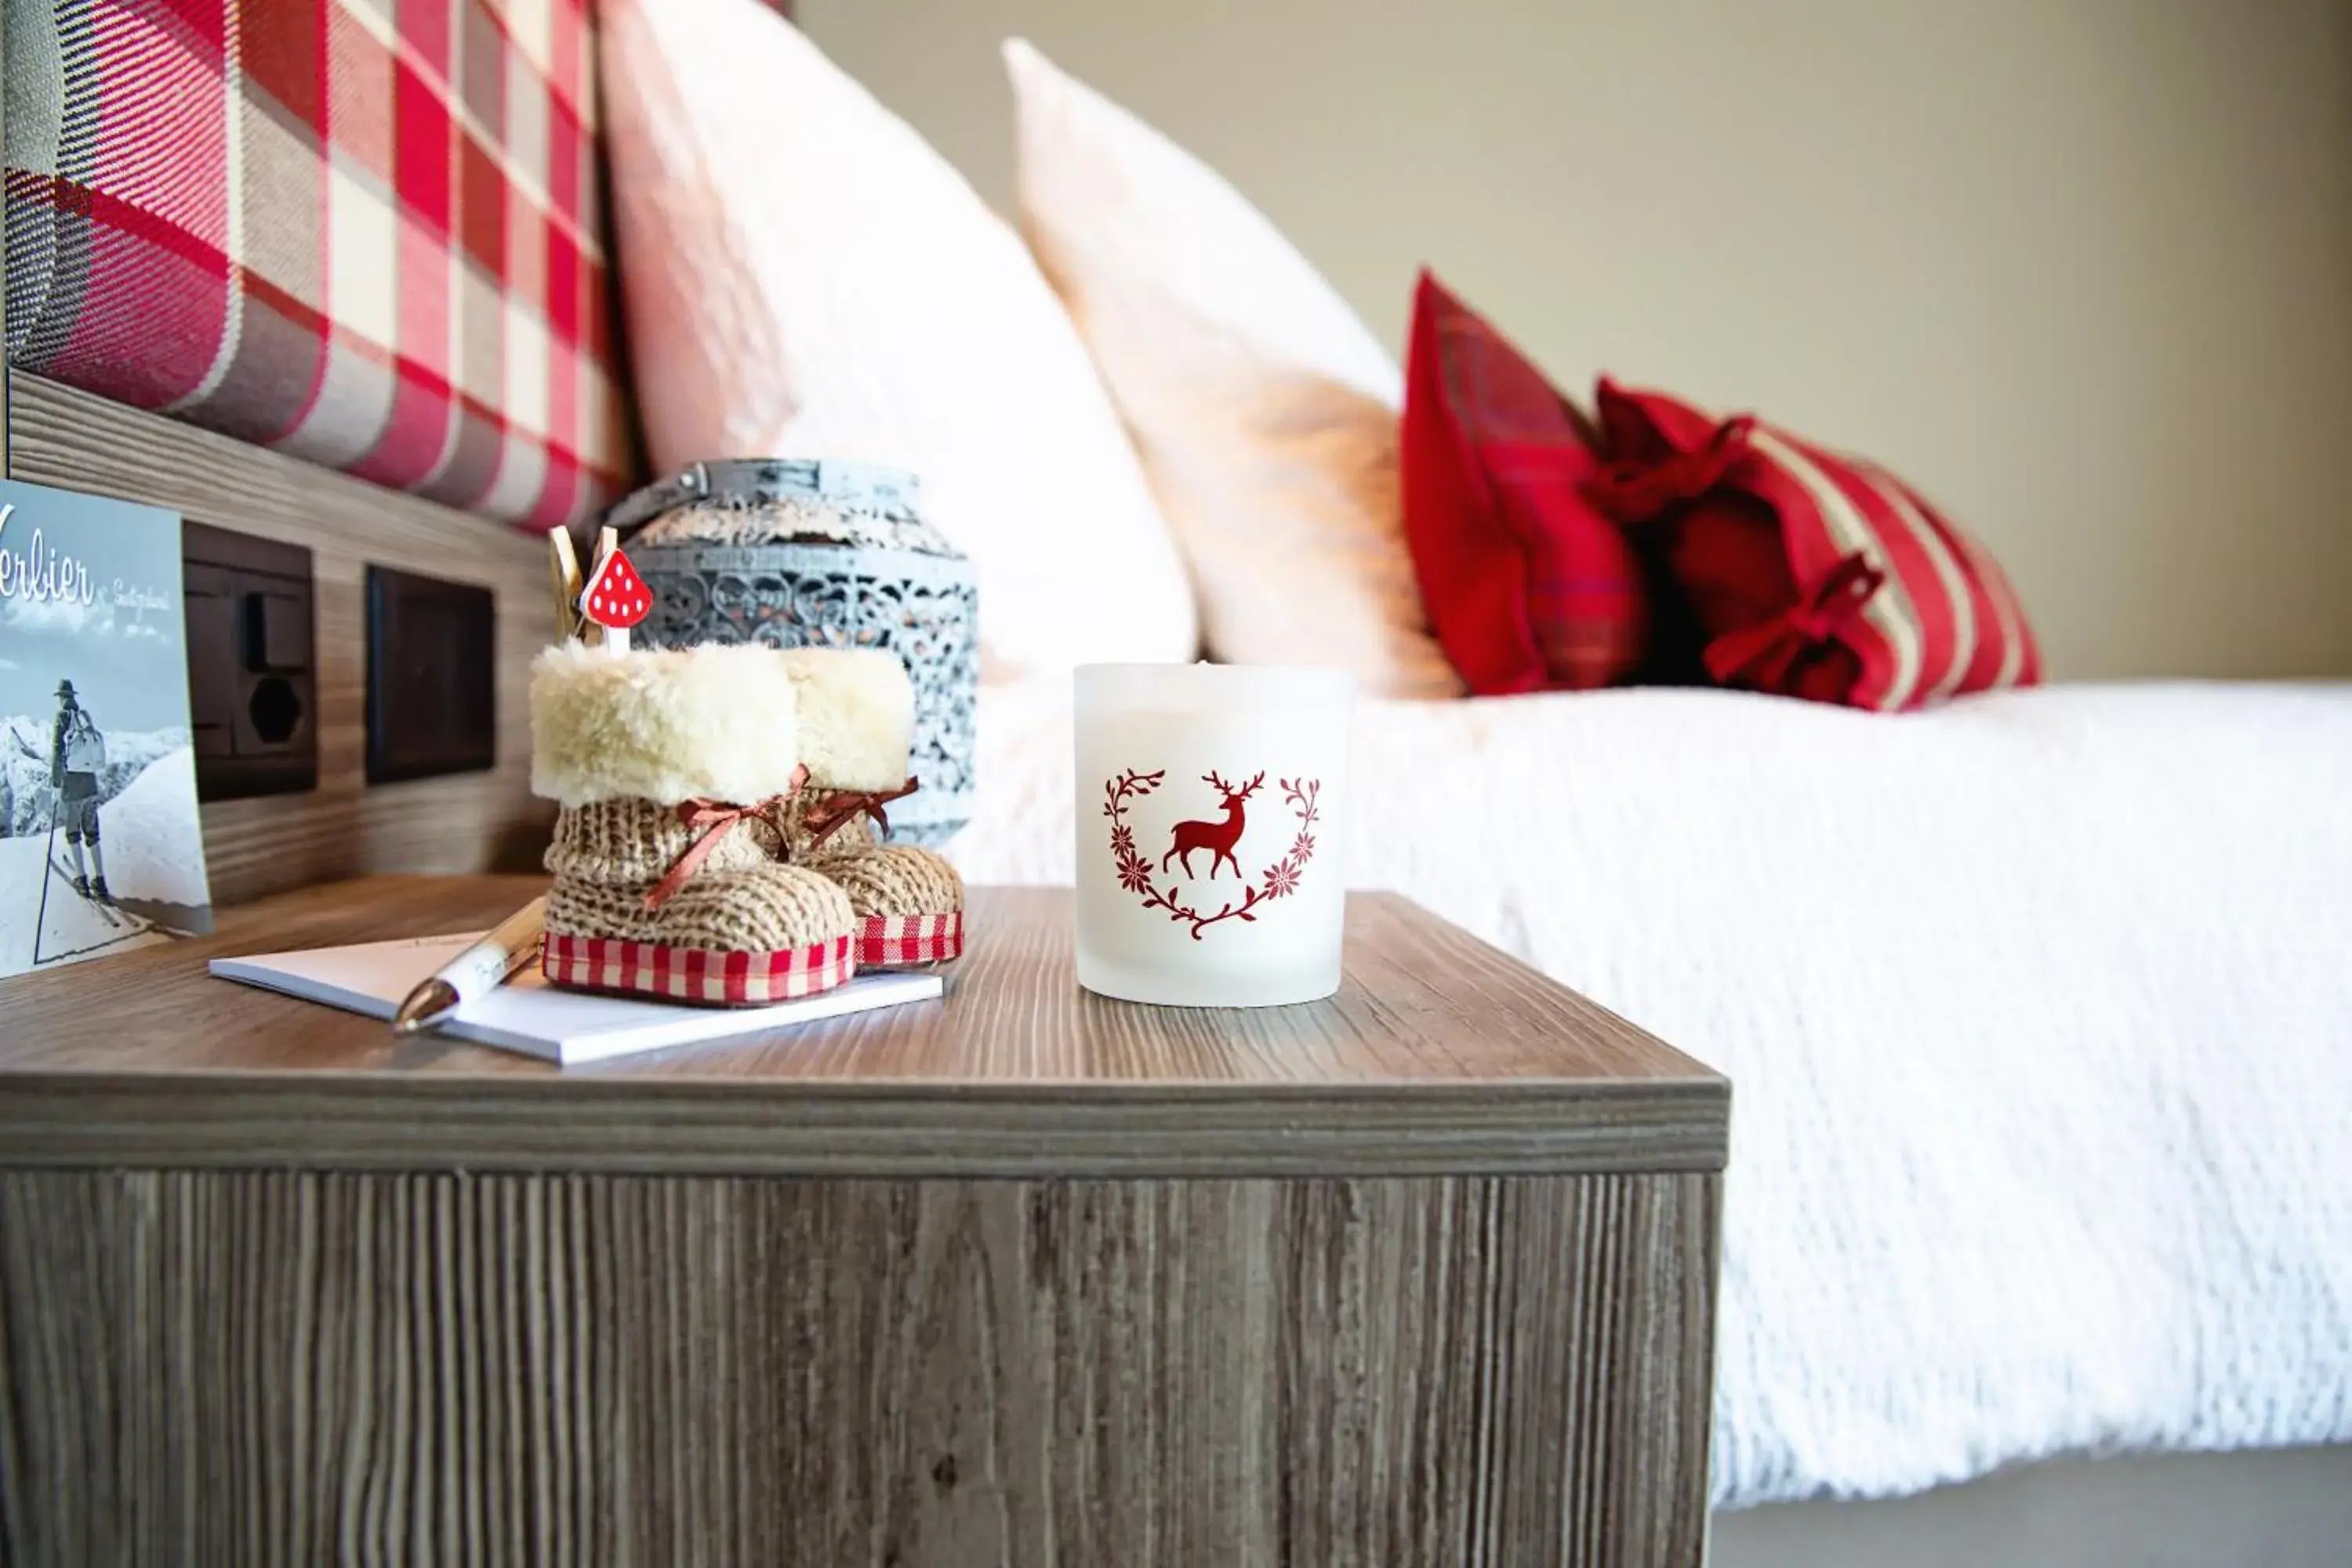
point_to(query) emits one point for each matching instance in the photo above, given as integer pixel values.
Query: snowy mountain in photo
(155, 845)
(154, 862)
(25, 768)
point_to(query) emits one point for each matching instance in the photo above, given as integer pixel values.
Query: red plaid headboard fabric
(365, 233)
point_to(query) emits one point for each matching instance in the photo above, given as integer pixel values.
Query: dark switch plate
(253, 686)
(277, 630)
(432, 680)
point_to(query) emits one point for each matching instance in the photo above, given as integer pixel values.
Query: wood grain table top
(1438, 1054)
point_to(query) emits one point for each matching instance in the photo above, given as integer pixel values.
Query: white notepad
(529, 1016)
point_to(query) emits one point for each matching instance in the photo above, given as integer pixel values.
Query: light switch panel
(277, 629)
(252, 665)
(432, 682)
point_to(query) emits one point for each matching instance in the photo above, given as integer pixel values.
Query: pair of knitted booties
(715, 843)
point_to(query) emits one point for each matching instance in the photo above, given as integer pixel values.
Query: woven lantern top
(771, 500)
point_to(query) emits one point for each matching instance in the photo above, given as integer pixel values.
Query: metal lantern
(822, 554)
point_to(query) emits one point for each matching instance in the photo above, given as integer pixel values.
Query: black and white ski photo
(100, 847)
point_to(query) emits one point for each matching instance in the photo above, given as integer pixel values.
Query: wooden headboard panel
(466, 822)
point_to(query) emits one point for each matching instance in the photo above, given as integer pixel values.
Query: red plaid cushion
(1810, 573)
(885, 941)
(1527, 584)
(696, 974)
(362, 233)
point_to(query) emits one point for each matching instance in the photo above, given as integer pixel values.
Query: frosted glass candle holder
(1211, 823)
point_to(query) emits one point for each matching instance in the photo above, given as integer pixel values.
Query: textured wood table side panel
(1438, 1054)
(305, 1367)
(467, 822)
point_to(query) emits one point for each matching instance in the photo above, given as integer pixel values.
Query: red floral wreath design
(1278, 880)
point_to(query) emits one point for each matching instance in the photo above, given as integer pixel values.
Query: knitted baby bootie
(673, 769)
(856, 720)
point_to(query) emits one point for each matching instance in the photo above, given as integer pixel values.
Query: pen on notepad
(483, 967)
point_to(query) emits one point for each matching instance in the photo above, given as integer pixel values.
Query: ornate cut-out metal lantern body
(796, 554)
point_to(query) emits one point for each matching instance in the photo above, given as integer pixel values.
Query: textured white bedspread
(2038, 1011)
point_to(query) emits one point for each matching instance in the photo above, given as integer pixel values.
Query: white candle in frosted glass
(1212, 803)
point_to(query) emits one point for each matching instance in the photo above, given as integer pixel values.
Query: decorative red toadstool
(615, 598)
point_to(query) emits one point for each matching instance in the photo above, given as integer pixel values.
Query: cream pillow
(805, 277)
(1265, 412)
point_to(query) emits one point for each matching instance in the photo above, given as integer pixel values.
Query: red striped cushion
(361, 234)
(1528, 586)
(1872, 598)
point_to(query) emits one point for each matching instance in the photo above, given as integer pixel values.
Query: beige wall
(2081, 268)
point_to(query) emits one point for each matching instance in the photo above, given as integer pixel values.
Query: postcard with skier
(100, 847)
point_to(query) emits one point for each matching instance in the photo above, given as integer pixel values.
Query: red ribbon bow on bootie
(1636, 491)
(1761, 656)
(831, 815)
(708, 820)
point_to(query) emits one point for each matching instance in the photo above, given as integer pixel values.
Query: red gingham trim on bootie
(888, 939)
(696, 974)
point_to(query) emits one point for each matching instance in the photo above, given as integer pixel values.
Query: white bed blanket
(2037, 1008)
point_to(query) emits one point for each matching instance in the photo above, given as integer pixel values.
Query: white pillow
(805, 277)
(1265, 412)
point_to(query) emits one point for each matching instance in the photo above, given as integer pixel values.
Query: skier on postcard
(77, 753)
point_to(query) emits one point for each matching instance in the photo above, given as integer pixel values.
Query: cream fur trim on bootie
(723, 723)
(664, 725)
(857, 716)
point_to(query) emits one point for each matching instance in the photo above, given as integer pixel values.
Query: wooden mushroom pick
(615, 598)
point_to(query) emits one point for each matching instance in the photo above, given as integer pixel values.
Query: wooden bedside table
(1423, 1274)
